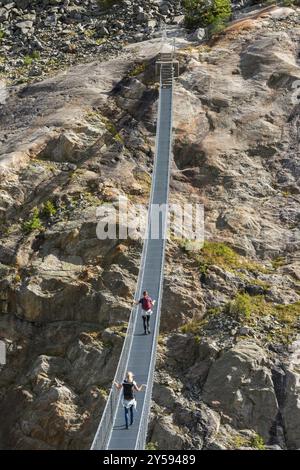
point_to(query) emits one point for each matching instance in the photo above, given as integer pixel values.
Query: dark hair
(145, 292)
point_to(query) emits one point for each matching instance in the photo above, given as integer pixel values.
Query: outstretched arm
(139, 388)
(117, 385)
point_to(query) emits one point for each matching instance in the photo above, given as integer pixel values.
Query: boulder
(25, 26)
(63, 148)
(198, 35)
(240, 382)
(168, 435)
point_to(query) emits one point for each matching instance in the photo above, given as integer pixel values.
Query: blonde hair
(129, 376)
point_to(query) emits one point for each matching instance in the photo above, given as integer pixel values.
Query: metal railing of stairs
(139, 352)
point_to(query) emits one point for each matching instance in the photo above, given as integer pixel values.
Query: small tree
(48, 209)
(34, 223)
(202, 13)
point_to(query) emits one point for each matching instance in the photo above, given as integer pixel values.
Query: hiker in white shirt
(129, 386)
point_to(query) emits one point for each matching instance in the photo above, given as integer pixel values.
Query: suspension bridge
(139, 351)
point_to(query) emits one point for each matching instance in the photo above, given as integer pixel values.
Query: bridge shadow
(121, 426)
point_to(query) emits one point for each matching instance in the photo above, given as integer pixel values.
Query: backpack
(147, 303)
(128, 390)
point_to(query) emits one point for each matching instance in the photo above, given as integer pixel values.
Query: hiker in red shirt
(147, 305)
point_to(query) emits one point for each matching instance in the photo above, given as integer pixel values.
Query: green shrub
(100, 41)
(219, 254)
(193, 326)
(29, 59)
(137, 69)
(2, 35)
(151, 446)
(109, 125)
(288, 313)
(213, 311)
(17, 278)
(34, 223)
(240, 441)
(240, 307)
(257, 442)
(197, 339)
(202, 13)
(48, 209)
(217, 26)
(278, 261)
(103, 392)
(36, 55)
(249, 309)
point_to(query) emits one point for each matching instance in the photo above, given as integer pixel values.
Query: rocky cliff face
(227, 373)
